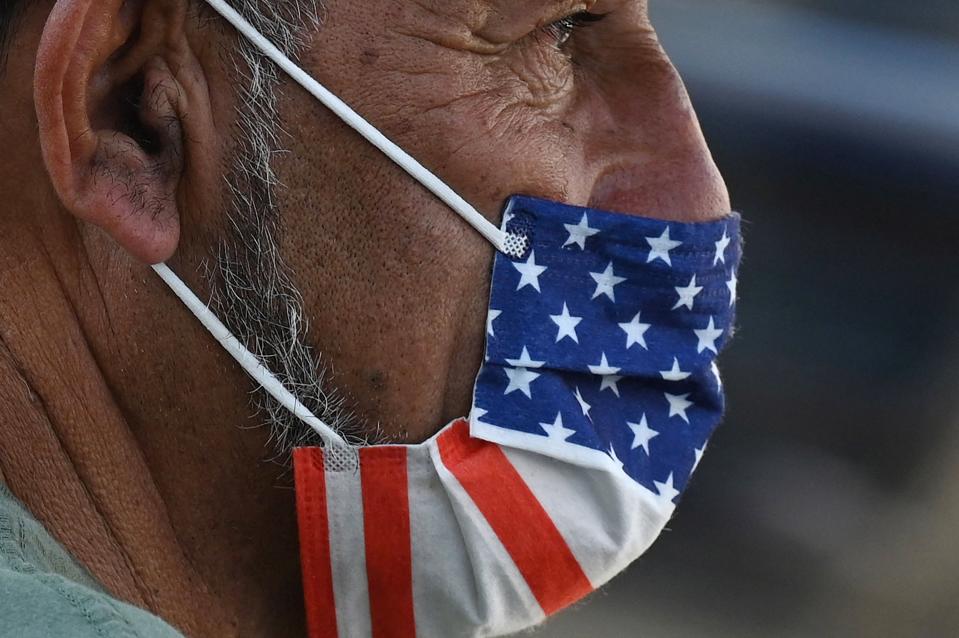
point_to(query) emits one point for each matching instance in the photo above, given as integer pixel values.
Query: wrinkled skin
(119, 415)
(495, 111)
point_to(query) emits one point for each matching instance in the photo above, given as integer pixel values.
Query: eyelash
(563, 29)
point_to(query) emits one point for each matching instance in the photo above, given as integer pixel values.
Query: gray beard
(253, 289)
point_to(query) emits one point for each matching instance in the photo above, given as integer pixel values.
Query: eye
(563, 29)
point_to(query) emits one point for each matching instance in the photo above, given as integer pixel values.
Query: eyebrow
(515, 14)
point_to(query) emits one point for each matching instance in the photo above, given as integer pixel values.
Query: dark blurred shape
(829, 502)
(933, 17)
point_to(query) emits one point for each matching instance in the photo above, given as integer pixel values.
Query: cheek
(494, 146)
(386, 272)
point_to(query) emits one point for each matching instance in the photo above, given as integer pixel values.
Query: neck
(135, 464)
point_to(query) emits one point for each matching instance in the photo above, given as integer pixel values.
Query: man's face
(497, 97)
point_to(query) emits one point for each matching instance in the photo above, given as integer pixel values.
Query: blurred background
(829, 502)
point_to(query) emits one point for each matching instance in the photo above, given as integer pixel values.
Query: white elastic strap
(403, 159)
(247, 360)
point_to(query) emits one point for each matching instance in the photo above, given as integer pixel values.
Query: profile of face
(147, 131)
(569, 100)
(572, 101)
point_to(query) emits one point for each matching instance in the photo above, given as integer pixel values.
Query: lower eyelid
(548, 78)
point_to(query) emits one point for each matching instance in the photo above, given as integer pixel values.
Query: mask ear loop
(508, 243)
(500, 240)
(247, 360)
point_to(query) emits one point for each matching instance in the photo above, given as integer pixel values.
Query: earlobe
(110, 116)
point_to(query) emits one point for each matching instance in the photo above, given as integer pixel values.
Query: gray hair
(254, 293)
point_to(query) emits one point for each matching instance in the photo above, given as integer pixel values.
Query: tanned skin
(123, 426)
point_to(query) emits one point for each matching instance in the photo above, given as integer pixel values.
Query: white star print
(567, 325)
(733, 285)
(667, 492)
(530, 272)
(675, 374)
(519, 379)
(642, 434)
(660, 247)
(579, 233)
(493, 316)
(520, 376)
(525, 361)
(556, 430)
(605, 282)
(687, 295)
(721, 247)
(678, 404)
(609, 375)
(636, 332)
(708, 337)
(585, 407)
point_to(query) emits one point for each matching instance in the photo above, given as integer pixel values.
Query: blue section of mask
(604, 335)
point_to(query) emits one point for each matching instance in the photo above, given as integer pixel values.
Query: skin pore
(123, 427)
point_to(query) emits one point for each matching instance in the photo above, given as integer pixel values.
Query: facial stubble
(254, 290)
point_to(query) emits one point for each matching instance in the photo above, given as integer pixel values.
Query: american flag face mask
(598, 394)
(590, 414)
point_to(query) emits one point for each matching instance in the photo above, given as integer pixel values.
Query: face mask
(590, 414)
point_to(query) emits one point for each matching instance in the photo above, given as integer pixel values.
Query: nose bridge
(651, 156)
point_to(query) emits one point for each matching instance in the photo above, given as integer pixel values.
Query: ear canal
(135, 106)
(159, 124)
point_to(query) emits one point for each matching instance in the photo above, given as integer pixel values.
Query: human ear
(110, 114)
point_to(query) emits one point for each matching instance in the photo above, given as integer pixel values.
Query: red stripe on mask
(314, 529)
(517, 517)
(389, 552)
